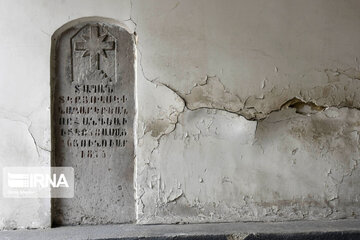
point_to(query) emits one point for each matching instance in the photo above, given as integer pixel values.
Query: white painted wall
(195, 163)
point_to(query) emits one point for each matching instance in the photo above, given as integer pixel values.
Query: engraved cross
(94, 46)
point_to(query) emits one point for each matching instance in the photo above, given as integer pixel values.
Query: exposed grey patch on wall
(305, 108)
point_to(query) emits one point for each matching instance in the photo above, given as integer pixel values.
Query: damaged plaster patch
(259, 164)
(191, 169)
(196, 164)
(340, 91)
(200, 159)
(212, 94)
(159, 127)
(156, 120)
(168, 185)
(160, 117)
(327, 141)
(336, 75)
(302, 107)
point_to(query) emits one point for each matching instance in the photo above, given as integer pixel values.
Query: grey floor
(339, 229)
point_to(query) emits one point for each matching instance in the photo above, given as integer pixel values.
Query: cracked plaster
(31, 149)
(286, 168)
(218, 139)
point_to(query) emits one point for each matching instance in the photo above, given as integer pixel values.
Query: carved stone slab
(93, 111)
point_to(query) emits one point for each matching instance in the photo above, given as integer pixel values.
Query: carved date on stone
(93, 113)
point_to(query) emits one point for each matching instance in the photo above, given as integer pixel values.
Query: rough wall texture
(247, 110)
(263, 123)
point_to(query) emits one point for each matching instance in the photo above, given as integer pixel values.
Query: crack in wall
(15, 117)
(306, 102)
(212, 94)
(295, 103)
(335, 74)
(131, 19)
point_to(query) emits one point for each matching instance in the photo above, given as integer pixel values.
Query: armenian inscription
(92, 121)
(92, 129)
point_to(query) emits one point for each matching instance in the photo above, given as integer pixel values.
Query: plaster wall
(247, 110)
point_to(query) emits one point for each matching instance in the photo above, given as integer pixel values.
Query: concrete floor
(339, 229)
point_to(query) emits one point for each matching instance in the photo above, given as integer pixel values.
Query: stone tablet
(93, 109)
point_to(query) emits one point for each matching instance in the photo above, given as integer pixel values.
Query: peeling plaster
(211, 96)
(294, 108)
(196, 71)
(314, 206)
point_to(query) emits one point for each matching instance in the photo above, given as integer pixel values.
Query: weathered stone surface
(93, 109)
